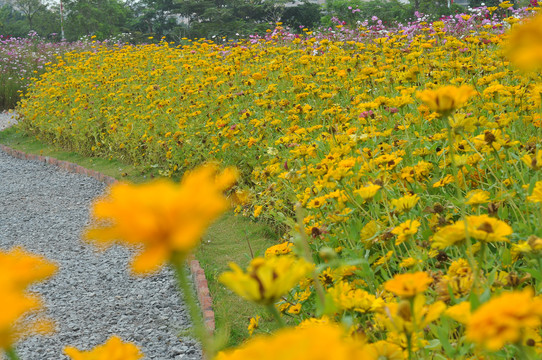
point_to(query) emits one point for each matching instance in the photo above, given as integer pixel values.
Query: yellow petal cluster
(319, 341)
(446, 98)
(266, 279)
(524, 47)
(165, 217)
(18, 270)
(504, 319)
(408, 285)
(112, 349)
(480, 227)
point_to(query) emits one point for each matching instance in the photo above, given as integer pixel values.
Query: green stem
(11, 354)
(275, 313)
(202, 333)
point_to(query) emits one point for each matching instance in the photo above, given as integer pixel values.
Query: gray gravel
(92, 296)
(6, 120)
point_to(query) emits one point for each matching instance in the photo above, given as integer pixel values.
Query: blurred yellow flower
(368, 191)
(385, 350)
(504, 319)
(477, 197)
(408, 285)
(18, 270)
(536, 196)
(460, 312)
(524, 47)
(168, 219)
(310, 342)
(266, 279)
(446, 98)
(112, 349)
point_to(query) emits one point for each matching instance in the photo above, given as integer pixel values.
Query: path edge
(198, 275)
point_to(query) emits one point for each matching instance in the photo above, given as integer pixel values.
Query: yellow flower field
(405, 166)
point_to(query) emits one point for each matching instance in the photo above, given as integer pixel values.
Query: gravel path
(7, 120)
(92, 296)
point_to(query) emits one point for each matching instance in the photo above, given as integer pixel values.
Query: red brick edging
(198, 275)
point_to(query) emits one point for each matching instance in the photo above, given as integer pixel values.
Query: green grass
(230, 239)
(233, 239)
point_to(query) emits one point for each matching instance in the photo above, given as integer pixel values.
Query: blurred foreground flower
(524, 47)
(447, 98)
(18, 270)
(266, 279)
(312, 342)
(168, 219)
(505, 319)
(113, 349)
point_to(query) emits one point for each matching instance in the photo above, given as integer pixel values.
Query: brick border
(198, 275)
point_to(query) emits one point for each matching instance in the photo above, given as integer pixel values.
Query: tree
(101, 18)
(29, 8)
(216, 18)
(306, 15)
(154, 18)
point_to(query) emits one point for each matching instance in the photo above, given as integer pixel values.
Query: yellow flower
(18, 270)
(458, 280)
(253, 324)
(504, 319)
(460, 312)
(405, 203)
(524, 47)
(405, 230)
(279, 249)
(113, 349)
(447, 98)
(346, 297)
(477, 197)
(536, 196)
(534, 162)
(167, 219)
(257, 210)
(480, 227)
(488, 229)
(312, 341)
(408, 285)
(266, 279)
(409, 262)
(385, 350)
(368, 191)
